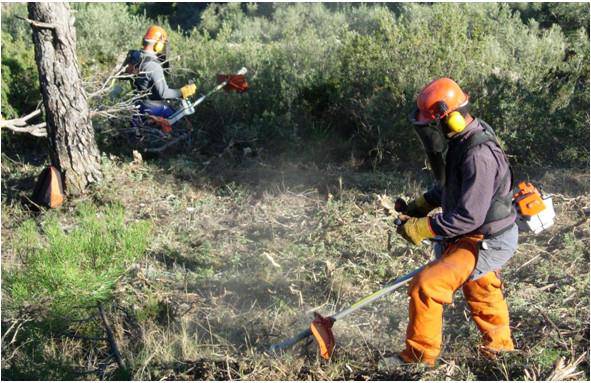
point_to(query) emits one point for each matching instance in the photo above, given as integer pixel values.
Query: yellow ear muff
(455, 121)
(159, 46)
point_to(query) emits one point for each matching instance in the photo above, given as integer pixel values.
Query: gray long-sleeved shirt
(152, 78)
(466, 203)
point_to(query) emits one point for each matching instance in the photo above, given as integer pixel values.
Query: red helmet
(438, 99)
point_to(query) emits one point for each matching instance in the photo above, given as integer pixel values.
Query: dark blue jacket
(470, 187)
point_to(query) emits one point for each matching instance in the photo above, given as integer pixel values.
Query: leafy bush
(353, 72)
(69, 272)
(104, 32)
(20, 81)
(346, 75)
(570, 17)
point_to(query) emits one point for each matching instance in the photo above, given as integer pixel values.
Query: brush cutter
(156, 134)
(321, 327)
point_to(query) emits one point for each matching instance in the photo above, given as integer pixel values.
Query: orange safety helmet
(438, 99)
(156, 35)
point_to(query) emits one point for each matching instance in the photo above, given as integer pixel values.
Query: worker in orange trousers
(475, 229)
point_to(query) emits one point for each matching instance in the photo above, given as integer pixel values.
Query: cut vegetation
(239, 259)
(188, 262)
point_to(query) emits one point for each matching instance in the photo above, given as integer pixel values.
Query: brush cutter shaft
(376, 295)
(291, 341)
(390, 286)
(199, 101)
(190, 110)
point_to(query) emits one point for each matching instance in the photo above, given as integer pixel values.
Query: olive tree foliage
(352, 73)
(342, 78)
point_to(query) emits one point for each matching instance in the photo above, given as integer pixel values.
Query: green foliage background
(341, 78)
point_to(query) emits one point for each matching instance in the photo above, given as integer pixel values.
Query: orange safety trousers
(435, 285)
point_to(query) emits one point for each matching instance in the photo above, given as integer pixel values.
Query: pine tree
(72, 144)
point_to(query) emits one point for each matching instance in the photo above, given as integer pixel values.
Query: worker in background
(147, 67)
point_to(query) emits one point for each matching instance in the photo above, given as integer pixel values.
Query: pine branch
(20, 125)
(116, 73)
(37, 24)
(111, 338)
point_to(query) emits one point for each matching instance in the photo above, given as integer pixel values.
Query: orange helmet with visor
(438, 99)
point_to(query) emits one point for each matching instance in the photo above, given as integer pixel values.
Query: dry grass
(243, 254)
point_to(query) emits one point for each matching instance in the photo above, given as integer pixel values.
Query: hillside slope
(242, 253)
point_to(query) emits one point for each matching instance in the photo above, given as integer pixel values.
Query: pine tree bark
(72, 145)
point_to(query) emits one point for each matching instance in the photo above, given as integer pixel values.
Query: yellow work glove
(415, 230)
(419, 207)
(188, 90)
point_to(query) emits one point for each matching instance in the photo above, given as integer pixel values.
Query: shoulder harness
(501, 205)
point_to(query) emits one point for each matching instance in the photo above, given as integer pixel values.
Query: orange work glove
(415, 230)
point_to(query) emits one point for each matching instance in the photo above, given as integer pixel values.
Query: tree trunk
(72, 145)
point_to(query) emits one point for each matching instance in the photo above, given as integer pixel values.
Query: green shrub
(104, 31)
(20, 81)
(70, 272)
(352, 72)
(346, 75)
(570, 17)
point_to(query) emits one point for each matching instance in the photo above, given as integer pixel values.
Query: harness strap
(501, 205)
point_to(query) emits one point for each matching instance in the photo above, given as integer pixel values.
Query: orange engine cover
(162, 123)
(528, 200)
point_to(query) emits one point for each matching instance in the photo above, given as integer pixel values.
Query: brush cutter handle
(400, 205)
(398, 222)
(291, 341)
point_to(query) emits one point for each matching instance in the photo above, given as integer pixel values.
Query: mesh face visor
(437, 164)
(435, 144)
